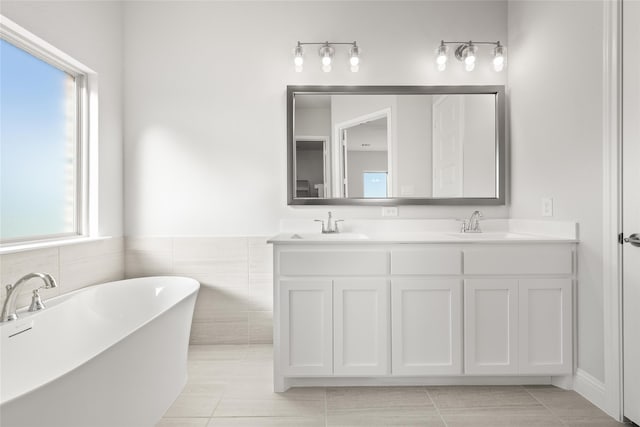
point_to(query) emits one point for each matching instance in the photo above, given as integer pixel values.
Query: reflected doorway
(365, 156)
(311, 167)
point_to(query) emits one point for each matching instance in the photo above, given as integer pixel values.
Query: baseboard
(590, 388)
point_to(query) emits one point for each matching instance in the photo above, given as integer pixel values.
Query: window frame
(85, 212)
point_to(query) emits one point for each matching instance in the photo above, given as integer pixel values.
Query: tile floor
(231, 385)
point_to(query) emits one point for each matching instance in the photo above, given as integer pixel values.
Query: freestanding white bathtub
(112, 355)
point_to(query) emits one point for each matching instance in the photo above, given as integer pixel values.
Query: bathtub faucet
(9, 306)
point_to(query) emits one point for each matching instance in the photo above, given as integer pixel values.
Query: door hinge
(621, 238)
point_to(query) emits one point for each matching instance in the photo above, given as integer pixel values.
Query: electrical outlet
(547, 206)
(390, 211)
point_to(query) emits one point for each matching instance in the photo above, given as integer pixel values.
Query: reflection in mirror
(404, 146)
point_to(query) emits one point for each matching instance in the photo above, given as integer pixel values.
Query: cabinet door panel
(426, 326)
(545, 326)
(491, 326)
(306, 327)
(361, 327)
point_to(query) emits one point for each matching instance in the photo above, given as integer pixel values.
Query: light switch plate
(390, 211)
(547, 206)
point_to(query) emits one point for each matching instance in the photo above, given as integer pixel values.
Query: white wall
(479, 178)
(313, 122)
(205, 150)
(90, 32)
(414, 151)
(555, 79)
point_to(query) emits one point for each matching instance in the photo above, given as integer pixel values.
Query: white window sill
(21, 247)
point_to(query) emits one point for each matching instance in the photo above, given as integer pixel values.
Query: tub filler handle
(9, 306)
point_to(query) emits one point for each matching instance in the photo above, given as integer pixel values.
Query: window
(43, 140)
(375, 184)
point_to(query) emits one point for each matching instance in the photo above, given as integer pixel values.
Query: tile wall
(235, 303)
(73, 266)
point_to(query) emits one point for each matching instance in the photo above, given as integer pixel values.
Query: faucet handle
(324, 230)
(335, 225)
(36, 301)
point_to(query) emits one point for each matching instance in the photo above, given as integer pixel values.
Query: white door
(631, 210)
(306, 327)
(426, 326)
(545, 344)
(491, 326)
(361, 326)
(448, 137)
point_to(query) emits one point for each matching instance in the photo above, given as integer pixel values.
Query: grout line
(326, 411)
(544, 406)
(426, 390)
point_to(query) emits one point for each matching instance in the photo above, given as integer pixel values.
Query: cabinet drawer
(334, 263)
(518, 260)
(426, 261)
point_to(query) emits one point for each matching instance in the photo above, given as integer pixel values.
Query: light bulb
(298, 58)
(354, 56)
(355, 68)
(469, 66)
(498, 57)
(441, 59)
(326, 53)
(470, 56)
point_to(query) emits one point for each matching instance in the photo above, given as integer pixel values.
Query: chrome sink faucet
(9, 306)
(472, 225)
(331, 226)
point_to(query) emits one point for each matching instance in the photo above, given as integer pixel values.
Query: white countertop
(429, 231)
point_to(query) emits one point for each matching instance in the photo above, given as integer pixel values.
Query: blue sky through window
(375, 184)
(37, 146)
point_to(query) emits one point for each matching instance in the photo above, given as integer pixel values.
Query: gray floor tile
(460, 397)
(269, 408)
(267, 422)
(217, 352)
(340, 398)
(454, 420)
(183, 422)
(192, 405)
(400, 416)
(233, 386)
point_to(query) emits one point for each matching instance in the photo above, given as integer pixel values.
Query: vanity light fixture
(327, 52)
(466, 52)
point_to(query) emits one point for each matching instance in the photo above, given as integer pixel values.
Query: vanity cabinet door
(306, 327)
(545, 326)
(426, 326)
(491, 326)
(361, 326)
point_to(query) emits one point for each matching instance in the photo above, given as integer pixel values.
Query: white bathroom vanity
(433, 306)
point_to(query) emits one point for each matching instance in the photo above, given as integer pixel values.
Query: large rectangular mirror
(394, 145)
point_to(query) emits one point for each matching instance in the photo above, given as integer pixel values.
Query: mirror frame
(498, 91)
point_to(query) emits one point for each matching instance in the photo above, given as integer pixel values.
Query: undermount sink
(491, 236)
(329, 236)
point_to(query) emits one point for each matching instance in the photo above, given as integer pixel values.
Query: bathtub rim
(92, 355)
